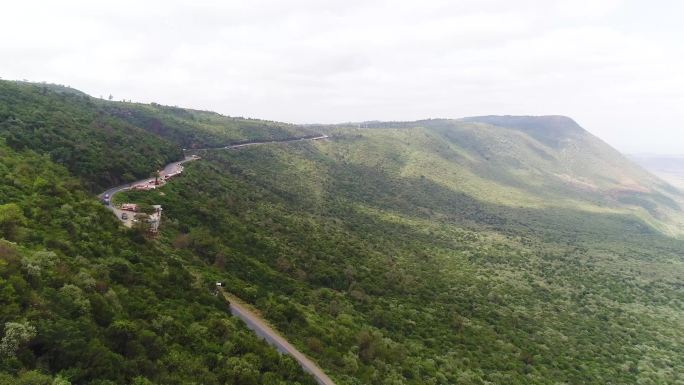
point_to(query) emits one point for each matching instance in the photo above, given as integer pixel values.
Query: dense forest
(479, 251)
(84, 301)
(72, 128)
(107, 143)
(389, 279)
(202, 129)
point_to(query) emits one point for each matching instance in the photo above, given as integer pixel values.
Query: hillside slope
(87, 302)
(583, 156)
(444, 252)
(107, 142)
(489, 250)
(527, 162)
(201, 129)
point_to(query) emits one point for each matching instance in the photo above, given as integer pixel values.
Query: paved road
(174, 167)
(253, 321)
(264, 331)
(256, 143)
(170, 168)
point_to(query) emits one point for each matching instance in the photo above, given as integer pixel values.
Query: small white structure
(155, 218)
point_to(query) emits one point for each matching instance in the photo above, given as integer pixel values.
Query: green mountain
(201, 129)
(487, 250)
(82, 300)
(107, 143)
(534, 163)
(445, 252)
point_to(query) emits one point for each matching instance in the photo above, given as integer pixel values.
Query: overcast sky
(617, 67)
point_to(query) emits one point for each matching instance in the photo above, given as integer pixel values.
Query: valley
(668, 168)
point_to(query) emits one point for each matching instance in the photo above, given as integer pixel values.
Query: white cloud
(330, 61)
(587, 8)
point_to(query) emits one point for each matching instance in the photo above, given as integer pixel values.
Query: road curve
(173, 167)
(257, 142)
(272, 337)
(253, 321)
(170, 168)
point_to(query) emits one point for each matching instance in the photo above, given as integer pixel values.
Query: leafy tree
(17, 334)
(11, 218)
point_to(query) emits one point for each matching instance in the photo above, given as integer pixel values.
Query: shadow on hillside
(419, 197)
(423, 198)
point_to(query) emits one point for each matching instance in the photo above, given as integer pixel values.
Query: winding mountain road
(257, 142)
(237, 308)
(170, 168)
(176, 167)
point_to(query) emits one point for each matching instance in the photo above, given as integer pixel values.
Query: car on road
(124, 216)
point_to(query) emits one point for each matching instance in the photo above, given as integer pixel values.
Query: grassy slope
(402, 256)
